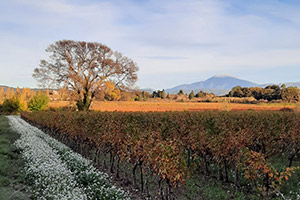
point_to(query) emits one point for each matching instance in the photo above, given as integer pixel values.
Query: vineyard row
(235, 147)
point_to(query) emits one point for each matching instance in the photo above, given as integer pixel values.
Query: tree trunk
(160, 186)
(84, 103)
(126, 179)
(118, 168)
(134, 175)
(104, 161)
(142, 178)
(168, 189)
(291, 158)
(206, 165)
(226, 171)
(112, 161)
(147, 185)
(236, 177)
(95, 159)
(267, 182)
(220, 174)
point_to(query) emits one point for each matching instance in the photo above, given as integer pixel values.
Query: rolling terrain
(221, 85)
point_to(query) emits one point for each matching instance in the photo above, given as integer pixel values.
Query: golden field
(146, 106)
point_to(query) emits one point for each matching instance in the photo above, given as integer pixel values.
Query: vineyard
(160, 152)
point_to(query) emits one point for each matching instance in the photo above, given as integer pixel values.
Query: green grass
(11, 177)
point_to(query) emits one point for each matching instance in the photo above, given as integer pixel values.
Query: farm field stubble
(161, 106)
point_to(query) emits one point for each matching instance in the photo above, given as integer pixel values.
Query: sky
(172, 41)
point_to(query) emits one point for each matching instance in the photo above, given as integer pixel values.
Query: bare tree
(84, 68)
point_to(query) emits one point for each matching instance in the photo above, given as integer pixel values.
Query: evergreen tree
(191, 95)
(200, 94)
(180, 92)
(159, 93)
(163, 94)
(154, 94)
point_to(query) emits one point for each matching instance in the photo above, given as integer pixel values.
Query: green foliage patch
(38, 102)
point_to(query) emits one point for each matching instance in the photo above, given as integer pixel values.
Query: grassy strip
(11, 164)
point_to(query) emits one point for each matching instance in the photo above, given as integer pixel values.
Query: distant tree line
(269, 93)
(163, 95)
(144, 96)
(199, 94)
(159, 94)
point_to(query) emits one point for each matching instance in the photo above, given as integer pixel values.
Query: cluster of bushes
(18, 103)
(199, 94)
(243, 100)
(269, 93)
(233, 147)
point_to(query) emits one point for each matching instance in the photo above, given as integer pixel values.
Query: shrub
(286, 109)
(64, 108)
(13, 105)
(38, 102)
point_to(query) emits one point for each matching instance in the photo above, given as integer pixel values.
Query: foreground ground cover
(164, 154)
(11, 179)
(54, 171)
(161, 106)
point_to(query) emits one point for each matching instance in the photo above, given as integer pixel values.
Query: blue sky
(172, 41)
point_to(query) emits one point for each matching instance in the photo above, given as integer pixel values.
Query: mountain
(149, 90)
(4, 87)
(14, 88)
(219, 85)
(292, 84)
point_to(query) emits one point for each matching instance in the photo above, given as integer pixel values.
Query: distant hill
(149, 90)
(5, 88)
(219, 85)
(292, 84)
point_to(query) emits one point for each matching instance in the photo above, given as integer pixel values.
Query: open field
(161, 106)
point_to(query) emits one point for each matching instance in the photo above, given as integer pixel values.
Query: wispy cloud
(166, 57)
(167, 37)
